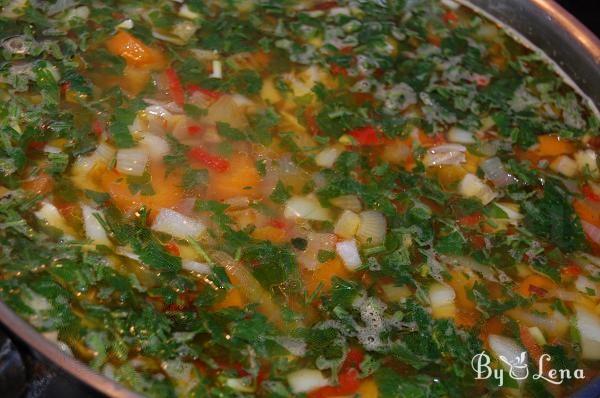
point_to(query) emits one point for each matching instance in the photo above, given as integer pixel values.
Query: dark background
(586, 11)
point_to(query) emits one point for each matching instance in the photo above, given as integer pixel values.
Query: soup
(279, 198)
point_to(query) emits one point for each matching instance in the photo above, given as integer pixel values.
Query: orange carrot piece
(553, 145)
(535, 284)
(134, 51)
(240, 179)
(322, 276)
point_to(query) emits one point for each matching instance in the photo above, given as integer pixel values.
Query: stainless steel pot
(542, 22)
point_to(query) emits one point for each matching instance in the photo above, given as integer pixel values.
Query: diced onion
(372, 228)
(185, 30)
(327, 157)
(306, 380)
(471, 186)
(217, 69)
(241, 384)
(348, 252)
(176, 224)
(585, 285)
(347, 202)
(564, 165)
(126, 24)
(185, 12)
(194, 266)
(537, 335)
(550, 321)
(592, 231)
(461, 136)
(307, 208)
(451, 4)
(347, 225)
(93, 229)
(587, 161)
(511, 211)
(396, 293)
(49, 214)
(495, 172)
(445, 155)
(588, 325)
(132, 161)
(513, 357)
(441, 298)
(156, 146)
(105, 152)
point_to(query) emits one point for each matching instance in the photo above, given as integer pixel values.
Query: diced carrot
(492, 326)
(553, 145)
(240, 179)
(40, 185)
(472, 162)
(233, 298)
(175, 87)
(535, 284)
(368, 389)
(588, 211)
(134, 51)
(68, 210)
(470, 220)
(530, 344)
(134, 79)
(462, 282)
(273, 234)
(167, 190)
(322, 275)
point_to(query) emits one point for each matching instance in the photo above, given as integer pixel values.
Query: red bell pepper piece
(193, 88)
(172, 248)
(571, 270)
(175, 86)
(366, 136)
(194, 129)
(589, 193)
(213, 162)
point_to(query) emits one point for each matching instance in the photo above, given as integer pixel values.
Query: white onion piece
(50, 216)
(348, 252)
(176, 224)
(446, 154)
(126, 24)
(372, 228)
(306, 380)
(308, 257)
(550, 321)
(93, 229)
(347, 202)
(347, 225)
(217, 70)
(307, 208)
(509, 209)
(564, 165)
(132, 161)
(592, 231)
(461, 136)
(585, 285)
(241, 384)
(184, 30)
(226, 110)
(105, 152)
(587, 160)
(204, 55)
(156, 146)
(512, 356)
(495, 172)
(185, 12)
(441, 298)
(471, 186)
(588, 325)
(194, 266)
(327, 157)
(440, 295)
